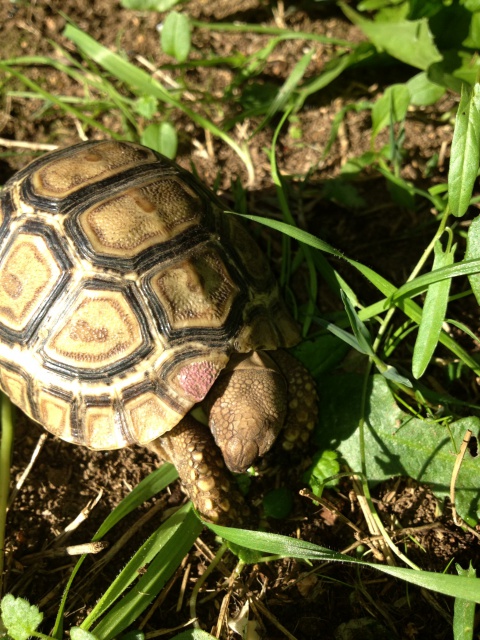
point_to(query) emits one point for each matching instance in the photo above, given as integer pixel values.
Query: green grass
(393, 402)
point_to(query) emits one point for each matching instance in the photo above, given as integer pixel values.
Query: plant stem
(6, 445)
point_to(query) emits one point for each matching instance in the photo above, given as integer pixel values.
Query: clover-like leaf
(19, 617)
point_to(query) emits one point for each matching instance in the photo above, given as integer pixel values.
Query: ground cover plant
(348, 135)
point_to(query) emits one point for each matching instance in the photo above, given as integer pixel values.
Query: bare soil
(334, 600)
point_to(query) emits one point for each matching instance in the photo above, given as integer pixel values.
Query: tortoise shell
(124, 289)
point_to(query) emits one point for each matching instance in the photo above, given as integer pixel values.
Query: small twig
(222, 614)
(201, 581)
(265, 612)
(439, 608)
(28, 468)
(164, 632)
(204, 549)
(408, 531)
(84, 513)
(165, 77)
(456, 470)
(379, 548)
(114, 549)
(371, 540)
(32, 146)
(73, 550)
(183, 586)
(331, 507)
(74, 524)
(379, 527)
(162, 596)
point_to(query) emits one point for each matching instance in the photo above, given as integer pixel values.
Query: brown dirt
(64, 478)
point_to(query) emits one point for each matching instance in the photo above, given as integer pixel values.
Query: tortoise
(125, 292)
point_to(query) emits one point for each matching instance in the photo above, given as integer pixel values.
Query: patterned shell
(124, 289)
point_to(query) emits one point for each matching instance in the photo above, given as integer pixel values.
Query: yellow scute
(100, 329)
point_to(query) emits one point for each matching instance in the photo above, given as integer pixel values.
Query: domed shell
(124, 289)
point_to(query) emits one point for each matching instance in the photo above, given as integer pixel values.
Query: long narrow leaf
(156, 545)
(57, 101)
(141, 83)
(464, 611)
(289, 85)
(148, 487)
(465, 153)
(410, 308)
(359, 329)
(472, 253)
(433, 314)
(181, 537)
(420, 284)
(456, 586)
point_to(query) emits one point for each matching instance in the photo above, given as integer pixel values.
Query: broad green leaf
(175, 36)
(424, 92)
(433, 314)
(322, 353)
(161, 137)
(20, 618)
(410, 41)
(325, 465)
(468, 66)
(358, 164)
(395, 442)
(465, 152)
(464, 611)
(473, 252)
(344, 192)
(278, 503)
(146, 106)
(424, 8)
(270, 543)
(473, 39)
(390, 108)
(373, 5)
(471, 5)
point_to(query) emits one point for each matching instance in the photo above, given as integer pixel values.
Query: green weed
(378, 425)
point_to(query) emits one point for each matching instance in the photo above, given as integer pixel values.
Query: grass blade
(274, 544)
(178, 541)
(465, 153)
(464, 611)
(148, 487)
(289, 86)
(156, 545)
(472, 253)
(433, 314)
(410, 308)
(142, 84)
